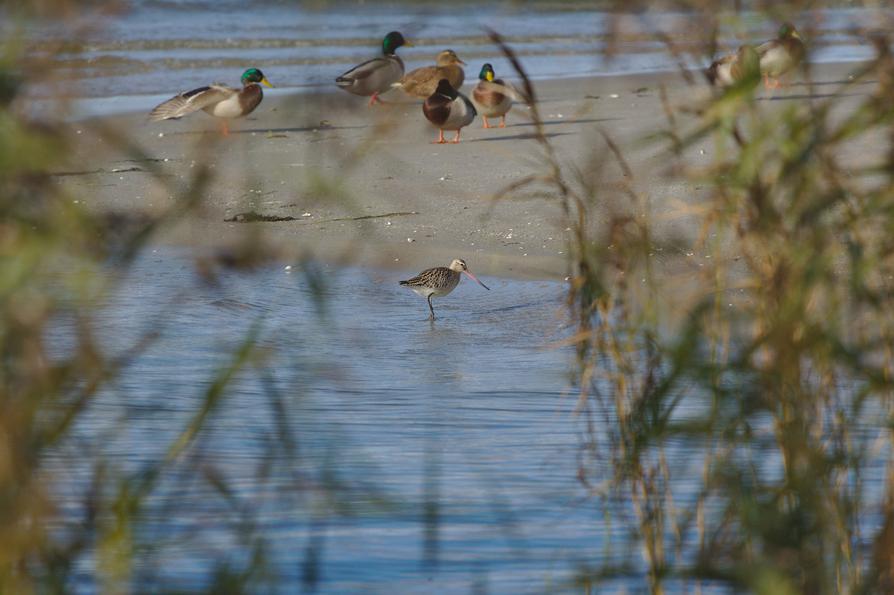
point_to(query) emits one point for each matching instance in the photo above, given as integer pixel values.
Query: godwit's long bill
(439, 281)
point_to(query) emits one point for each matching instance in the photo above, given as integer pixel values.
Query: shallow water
(163, 46)
(375, 451)
(471, 412)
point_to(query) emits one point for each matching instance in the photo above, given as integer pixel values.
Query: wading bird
(439, 281)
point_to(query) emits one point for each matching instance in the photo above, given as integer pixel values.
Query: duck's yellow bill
(264, 81)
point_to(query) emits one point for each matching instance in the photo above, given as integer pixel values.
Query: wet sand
(366, 185)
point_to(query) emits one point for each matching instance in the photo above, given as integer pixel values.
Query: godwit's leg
(440, 140)
(456, 138)
(432, 317)
(486, 125)
(503, 121)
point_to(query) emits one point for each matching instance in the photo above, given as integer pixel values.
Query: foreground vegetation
(748, 405)
(744, 414)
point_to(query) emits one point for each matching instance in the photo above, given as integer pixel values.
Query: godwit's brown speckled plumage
(439, 281)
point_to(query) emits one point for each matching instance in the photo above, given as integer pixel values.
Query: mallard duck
(492, 97)
(422, 82)
(377, 75)
(731, 69)
(216, 99)
(448, 109)
(779, 56)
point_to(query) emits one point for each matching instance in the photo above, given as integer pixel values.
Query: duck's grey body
(781, 55)
(377, 75)
(373, 76)
(778, 57)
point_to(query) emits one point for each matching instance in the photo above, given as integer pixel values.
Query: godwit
(448, 109)
(439, 281)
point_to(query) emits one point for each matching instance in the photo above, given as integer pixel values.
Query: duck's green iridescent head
(254, 75)
(487, 73)
(787, 30)
(393, 41)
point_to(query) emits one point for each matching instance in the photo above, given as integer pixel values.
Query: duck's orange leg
(374, 99)
(440, 140)
(225, 128)
(486, 125)
(456, 138)
(503, 121)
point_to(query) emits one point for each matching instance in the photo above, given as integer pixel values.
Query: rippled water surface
(472, 412)
(375, 451)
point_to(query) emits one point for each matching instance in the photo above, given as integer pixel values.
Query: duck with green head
(781, 55)
(492, 97)
(742, 66)
(216, 99)
(376, 76)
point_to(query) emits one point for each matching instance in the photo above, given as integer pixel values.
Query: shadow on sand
(518, 137)
(568, 121)
(803, 96)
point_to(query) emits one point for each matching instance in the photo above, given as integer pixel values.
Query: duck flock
(449, 110)
(444, 106)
